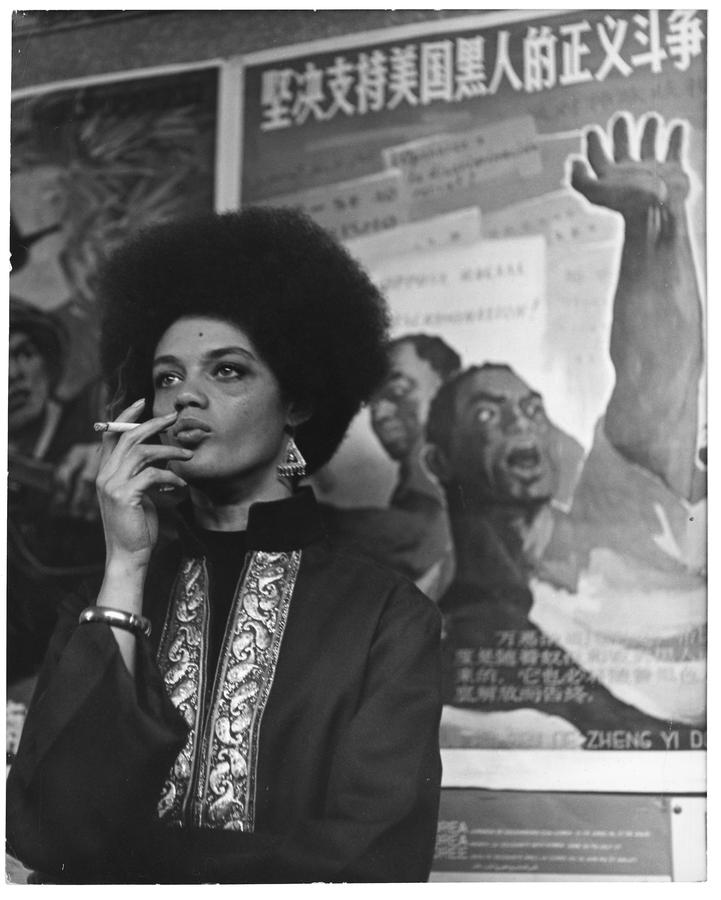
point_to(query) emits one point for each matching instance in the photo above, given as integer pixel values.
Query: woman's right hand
(129, 470)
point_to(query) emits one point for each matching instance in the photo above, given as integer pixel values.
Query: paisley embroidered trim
(226, 789)
(181, 658)
(226, 760)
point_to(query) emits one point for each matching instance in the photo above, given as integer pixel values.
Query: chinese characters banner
(527, 191)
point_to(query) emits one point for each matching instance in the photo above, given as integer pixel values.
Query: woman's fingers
(139, 457)
(142, 455)
(145, 430)
(131, 492)
(116, 446)
(109, 440)
(153, 478)
(131, 413)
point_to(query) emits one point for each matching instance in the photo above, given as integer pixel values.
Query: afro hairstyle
(310, 310)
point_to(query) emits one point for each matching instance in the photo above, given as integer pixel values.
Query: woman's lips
(187, 437)
(190, 432)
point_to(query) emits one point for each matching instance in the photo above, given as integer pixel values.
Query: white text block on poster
(456, 228)
(487, 299)
(449, 163)
(351, 209)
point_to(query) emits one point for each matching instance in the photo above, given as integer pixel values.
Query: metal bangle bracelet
(117, 618)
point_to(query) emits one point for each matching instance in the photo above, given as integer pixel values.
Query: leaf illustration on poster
(552, 502)
(89, 167)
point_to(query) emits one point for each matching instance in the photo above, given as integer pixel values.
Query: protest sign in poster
(527, 189)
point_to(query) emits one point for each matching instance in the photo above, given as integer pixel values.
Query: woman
(280, 722)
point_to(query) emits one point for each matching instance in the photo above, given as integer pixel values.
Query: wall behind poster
(443, 159)
(92, 164)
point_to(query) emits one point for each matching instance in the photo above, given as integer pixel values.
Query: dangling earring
(293, 465)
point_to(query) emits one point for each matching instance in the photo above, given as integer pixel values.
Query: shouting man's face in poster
(499, 449)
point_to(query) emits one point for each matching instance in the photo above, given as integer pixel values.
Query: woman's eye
(165, 379)
(229, 370)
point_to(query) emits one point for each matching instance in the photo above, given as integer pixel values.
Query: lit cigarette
(115, 427)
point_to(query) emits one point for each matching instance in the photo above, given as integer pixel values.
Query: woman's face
(231, 413)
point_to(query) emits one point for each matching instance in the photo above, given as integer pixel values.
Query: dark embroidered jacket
(310, 755)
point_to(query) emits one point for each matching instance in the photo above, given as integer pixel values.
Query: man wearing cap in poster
(54, 534)
(418, 365)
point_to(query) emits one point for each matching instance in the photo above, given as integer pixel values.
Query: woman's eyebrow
(166, 360)
(216, 353)
(226, 351)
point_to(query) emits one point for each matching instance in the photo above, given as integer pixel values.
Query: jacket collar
(278, 525)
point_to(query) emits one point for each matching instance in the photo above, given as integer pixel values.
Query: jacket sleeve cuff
(91, 675)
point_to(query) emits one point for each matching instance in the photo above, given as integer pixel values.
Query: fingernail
(140, 402)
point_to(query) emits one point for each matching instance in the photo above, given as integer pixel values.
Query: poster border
(120, 75)
(604, 771)
(229, 134)
(396, 32)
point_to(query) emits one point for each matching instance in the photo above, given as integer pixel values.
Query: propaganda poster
(528, 193)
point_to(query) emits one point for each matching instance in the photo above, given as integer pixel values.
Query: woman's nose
(190, 396)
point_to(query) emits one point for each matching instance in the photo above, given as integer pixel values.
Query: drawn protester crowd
(560, 560)
(55, 541)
